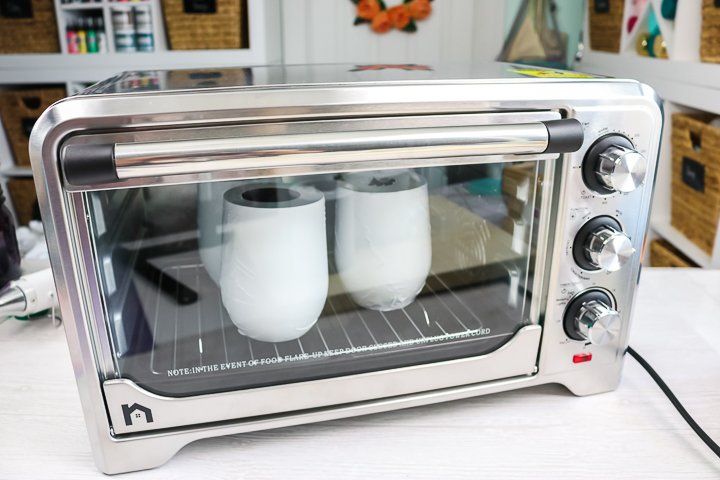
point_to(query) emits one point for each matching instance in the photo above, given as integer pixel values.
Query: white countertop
(542, 432)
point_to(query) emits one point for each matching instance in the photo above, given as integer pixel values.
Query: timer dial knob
(609, 249)
(601, 245)
(613, 165)
(590, 317)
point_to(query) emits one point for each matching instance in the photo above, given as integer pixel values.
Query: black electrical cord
(676, 403)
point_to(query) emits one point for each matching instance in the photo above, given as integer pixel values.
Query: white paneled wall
(322, 31)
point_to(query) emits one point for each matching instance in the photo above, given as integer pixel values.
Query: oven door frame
(515, 358)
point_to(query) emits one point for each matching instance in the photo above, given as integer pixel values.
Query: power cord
(676, 403)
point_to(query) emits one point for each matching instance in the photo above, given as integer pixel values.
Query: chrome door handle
(92, 164)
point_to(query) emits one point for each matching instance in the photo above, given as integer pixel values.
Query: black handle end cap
(564, 136)
(88, 164)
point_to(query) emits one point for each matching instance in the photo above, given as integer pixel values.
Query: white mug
(383, 246)
(274, 273)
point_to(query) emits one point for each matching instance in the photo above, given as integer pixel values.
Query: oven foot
(591, 382)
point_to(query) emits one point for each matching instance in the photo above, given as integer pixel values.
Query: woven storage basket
(204, 24)
(695, 179)
(28, 27)
(710, 36)
(606, 23)
(663, 254)
(23, 198)
(19, 109)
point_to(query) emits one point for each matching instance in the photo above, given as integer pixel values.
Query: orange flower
(399, 16)
(420, 9)
(381, 23)
(367, 9)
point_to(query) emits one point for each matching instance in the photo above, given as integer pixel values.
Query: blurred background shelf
(680, 241)
(693, 84)
(72, 69)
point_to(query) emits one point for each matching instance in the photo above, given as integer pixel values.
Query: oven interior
(471, 250)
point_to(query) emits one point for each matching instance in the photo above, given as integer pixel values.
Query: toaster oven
(244, 249)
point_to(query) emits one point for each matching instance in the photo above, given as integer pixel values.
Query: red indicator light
(582, 357)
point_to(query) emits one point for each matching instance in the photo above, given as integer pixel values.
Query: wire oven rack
(199, 344)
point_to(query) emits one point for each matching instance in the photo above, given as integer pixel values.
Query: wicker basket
(663, 254)
(710, 37)
(204, 24)
(695, 179)
(28, 27)
(23, 198)
(606, 23)
(19, 109)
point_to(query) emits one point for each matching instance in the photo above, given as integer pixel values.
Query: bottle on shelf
(101, 35)
(71, 37)
(143, 29)
(82, 36)
(124, 28)
(92, 43)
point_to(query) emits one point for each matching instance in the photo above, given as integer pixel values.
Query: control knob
(613, 165)
(590, 317)
(601, 245)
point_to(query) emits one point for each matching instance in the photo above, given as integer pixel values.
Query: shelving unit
(692, 84)
(76, 71)
(264, 47)
(686, 85)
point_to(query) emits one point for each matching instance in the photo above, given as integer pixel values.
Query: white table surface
(542, 432)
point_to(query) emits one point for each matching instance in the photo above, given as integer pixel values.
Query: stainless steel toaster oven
(243, 249)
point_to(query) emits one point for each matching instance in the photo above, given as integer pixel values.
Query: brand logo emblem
(136, 411)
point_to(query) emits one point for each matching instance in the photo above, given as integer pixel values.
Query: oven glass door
(231, 285)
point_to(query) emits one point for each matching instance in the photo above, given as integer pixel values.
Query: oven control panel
(602, 221)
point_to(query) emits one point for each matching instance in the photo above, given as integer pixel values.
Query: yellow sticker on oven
(549, 73)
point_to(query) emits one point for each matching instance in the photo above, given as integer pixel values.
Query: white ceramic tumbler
(383, 246)
(209, 221)
(274, 273)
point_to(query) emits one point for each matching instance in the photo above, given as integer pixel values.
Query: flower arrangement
(383, 19)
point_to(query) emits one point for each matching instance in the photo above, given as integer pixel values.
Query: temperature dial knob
(612, 165)
(601, 245)
(598, 323)
(590, 317)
